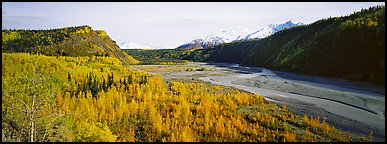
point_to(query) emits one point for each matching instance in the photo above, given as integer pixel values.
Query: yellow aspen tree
(292, 137)
(207, 122)
(119, 110)
(220, 125)
(130, 136)
(101, 102)
(163, 139)
(184, 135)
(158, 123)
(131, 106)
(307, 134)
(66, 103)
(172, 138)
(59, 99)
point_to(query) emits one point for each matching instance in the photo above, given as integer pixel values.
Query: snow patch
(237, 34)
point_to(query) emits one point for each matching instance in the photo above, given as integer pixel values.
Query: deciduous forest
(61, 98)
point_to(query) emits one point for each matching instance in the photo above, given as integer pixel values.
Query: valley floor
(354, 107)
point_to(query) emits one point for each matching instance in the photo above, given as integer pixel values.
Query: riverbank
(347, 106)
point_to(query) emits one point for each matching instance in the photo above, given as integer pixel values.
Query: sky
(168, 24)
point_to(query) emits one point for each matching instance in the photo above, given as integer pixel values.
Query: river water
(360, 102)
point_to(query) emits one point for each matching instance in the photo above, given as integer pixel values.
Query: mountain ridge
(349, 47)
(269, 30)
(68, 41)
(229, 36)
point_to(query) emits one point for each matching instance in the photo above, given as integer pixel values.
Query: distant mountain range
(131, 45)
(231, 36)
(269, 30)
(349, 47)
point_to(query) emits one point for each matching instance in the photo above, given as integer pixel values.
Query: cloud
(167, 24)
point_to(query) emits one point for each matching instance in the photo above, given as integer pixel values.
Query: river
(352, 106)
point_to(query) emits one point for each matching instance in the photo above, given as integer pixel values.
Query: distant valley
(289, 82)
(348, 47)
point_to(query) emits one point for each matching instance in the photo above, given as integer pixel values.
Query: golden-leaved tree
(95, 99)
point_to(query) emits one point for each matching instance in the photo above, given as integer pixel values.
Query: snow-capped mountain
(236, 35)
(269, 30)
(232, 35)
(131, 45)
(204, 42)
(215, 39)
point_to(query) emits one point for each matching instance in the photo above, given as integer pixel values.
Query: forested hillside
(160, 56)
(60, 98)
(69, 41)
(74, 84)
(349, 47)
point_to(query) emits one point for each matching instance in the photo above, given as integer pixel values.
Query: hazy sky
(168, 24)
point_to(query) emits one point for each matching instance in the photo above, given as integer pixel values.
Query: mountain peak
(239, 34)
(270, 29)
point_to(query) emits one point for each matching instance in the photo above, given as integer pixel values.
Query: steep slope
(69, 41)
(350, 47)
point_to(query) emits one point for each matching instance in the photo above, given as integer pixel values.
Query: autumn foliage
(98, 99)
